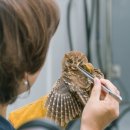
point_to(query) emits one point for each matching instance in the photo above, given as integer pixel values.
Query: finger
(113, 105)
(109, 85)
(111, 100)
(96, 91)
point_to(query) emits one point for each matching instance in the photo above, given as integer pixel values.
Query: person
(26, 28)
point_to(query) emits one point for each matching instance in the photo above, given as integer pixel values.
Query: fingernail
(96, 81)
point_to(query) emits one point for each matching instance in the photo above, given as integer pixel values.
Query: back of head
(26, 27)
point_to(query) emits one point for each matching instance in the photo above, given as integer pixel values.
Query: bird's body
(72, 90)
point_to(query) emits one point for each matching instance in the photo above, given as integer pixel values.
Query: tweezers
(105, 89)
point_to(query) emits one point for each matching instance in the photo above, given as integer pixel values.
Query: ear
(22, 86)
(26, 76)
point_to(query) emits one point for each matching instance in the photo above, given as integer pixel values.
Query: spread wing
(62, 105)
(68, 98)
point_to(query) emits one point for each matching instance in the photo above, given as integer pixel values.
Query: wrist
(88, 127)
(88, 124)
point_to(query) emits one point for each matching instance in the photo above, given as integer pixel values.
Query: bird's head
(70, 71)
(74, 58)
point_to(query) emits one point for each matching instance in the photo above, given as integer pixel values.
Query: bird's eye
(79, 60)
(70, 61)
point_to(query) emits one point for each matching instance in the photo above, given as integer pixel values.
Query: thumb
(96, 91)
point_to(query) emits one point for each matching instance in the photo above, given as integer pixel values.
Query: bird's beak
(88, 67)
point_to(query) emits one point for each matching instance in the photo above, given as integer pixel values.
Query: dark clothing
(5, 125)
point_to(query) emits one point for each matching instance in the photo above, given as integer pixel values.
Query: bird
(72, 90)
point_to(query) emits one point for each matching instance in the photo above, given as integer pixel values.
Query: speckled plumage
(72, 90)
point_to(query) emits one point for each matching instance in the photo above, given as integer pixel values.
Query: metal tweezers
(107, 90)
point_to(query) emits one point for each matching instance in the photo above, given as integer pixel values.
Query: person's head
(26, 27)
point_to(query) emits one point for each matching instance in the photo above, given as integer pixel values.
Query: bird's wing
(62, 106)
(82, 94)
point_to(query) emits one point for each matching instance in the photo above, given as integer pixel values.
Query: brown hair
(26, 27)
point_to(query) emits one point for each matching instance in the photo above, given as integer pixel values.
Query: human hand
(101, 109)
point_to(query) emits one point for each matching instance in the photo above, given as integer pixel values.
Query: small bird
(72, 90)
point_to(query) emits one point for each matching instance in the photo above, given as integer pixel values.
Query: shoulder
(28, 112)
(5, 125)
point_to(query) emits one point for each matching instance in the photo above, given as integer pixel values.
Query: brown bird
(72, 90)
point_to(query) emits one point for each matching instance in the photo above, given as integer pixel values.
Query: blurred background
(101, 30)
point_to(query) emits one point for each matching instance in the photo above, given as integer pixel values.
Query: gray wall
(59, 45)
(121, 52)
